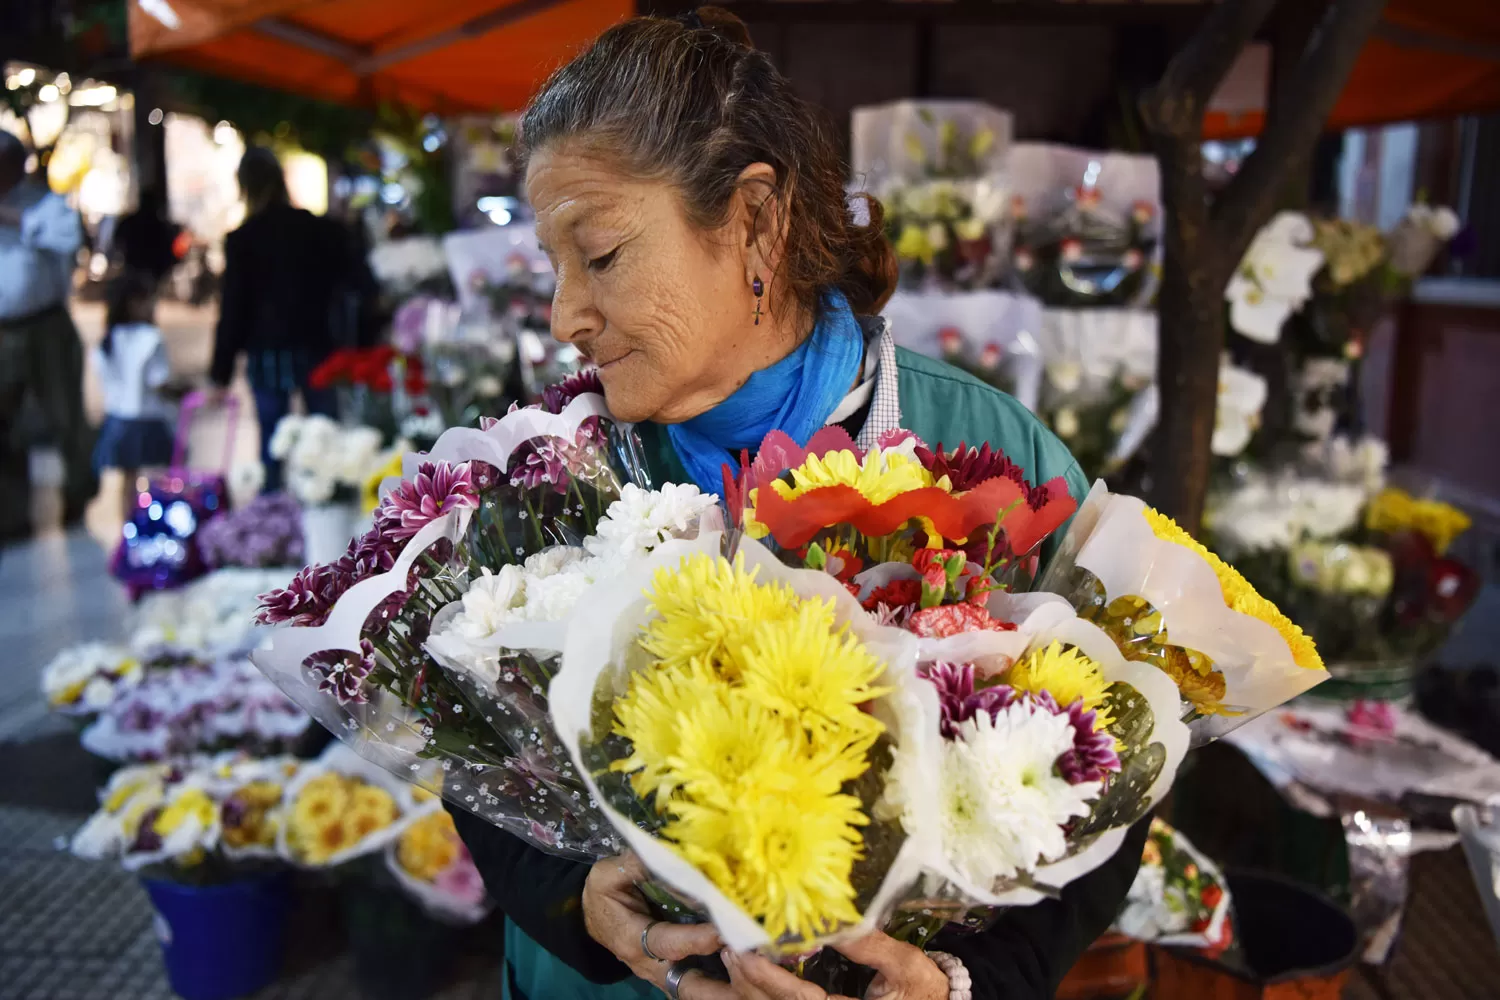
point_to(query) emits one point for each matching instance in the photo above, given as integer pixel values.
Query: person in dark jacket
(284, 273)
(145, 241)
(696, 216)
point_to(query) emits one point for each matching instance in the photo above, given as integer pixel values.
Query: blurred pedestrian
(145, 241)
(41, 357)
(283, 269)
(132, 366)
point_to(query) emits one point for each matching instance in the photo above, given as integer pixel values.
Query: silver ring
(673, 983)
(646, 948)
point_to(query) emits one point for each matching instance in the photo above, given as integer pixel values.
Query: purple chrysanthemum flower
(1093, 754)
(958, 698)
(370, 553)
(556, 397)
(306, 600)
(537, 463)
(438, 488)
(344, 673)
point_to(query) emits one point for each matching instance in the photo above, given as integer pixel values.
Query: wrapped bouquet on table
(850, 642)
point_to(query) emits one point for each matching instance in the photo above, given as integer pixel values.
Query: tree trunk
(1190, 316)
(1203, 243)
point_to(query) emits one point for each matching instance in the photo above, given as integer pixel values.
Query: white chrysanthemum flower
(311, 484)
(553, 560)
(552, 598)
(492, 601)
(284, 437)
(358, 454)
(642, 519)
(1003, 805)
(66, 679)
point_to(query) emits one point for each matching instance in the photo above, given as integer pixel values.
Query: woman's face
(664, 308)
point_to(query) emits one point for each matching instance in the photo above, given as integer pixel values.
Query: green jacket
(941, 405)
(1027, 951)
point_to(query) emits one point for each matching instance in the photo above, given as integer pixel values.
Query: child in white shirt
(132, 366)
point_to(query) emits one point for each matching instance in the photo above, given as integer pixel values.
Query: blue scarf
(796, 395)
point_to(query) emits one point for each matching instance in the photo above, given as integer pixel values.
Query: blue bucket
(221, 941)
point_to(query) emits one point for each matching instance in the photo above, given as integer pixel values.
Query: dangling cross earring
(759, 290)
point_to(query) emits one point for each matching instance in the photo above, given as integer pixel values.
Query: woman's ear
(760, 220)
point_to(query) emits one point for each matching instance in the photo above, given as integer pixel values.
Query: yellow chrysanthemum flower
(369, 494)
(429, 846)
(1067, 675)
(880, 477)
(1238, 594)
(811, 671)
(190, 804)
(652, 714)
(1394, 510)
(706, 609)
(785, 857)
(320, 800)
(746, 730)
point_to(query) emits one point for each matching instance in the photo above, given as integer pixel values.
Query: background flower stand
(1290, 942)
(327, 529)
(399, 952)
(1375, 680)
(221, 941)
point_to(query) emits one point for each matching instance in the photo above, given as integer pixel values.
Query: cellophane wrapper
(1163, 605)
(485, 744)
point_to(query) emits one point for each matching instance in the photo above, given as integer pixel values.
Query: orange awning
(460, 55)
(1427, 59)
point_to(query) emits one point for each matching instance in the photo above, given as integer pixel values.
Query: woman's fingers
(698, 986)
(759, 978)
(674, 942)
(903, 968)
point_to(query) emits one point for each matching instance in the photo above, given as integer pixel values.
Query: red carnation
(896, 594)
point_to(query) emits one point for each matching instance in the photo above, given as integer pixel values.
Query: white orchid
(1274, 279)
(1242, 393)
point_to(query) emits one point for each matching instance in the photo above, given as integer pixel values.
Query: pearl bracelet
(960, 987)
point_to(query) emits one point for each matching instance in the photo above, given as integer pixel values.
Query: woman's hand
(616, 915)
(904, 973)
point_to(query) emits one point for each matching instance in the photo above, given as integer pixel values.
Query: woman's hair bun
(722, 23)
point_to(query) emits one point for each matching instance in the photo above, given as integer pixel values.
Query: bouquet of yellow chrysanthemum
(341, 807)
(432, 864)
(1167, 601)
(193, 819)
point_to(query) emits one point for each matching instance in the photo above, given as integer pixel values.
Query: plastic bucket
(1290, 941)
(220, 941)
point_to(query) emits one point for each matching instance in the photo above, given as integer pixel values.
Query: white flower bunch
(1266, 513)
(1440, 220)
(547, 586)
(213, 614)
(1242, 394)
(1004, 806)
(1345, 460)
(323, 458)
(409, 261)
(1274, 279)
(85, 678)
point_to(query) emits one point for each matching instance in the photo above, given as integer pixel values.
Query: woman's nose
(574, 316)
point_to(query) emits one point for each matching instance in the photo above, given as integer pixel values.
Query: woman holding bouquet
(708, 262)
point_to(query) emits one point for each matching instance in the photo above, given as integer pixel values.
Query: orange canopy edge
(1426, 59)
(456, 56)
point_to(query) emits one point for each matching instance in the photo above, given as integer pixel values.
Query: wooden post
(1203, 242)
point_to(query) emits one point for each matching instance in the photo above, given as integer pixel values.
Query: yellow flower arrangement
(369, 494)
(1394, 510)
(334, 812)
(746, 737)
(190, 804)
(257, 823)
(429, 847)
(1067, 675)
(1238, 594)
(880, 476)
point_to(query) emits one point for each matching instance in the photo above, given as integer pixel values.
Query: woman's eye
(602, 263)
